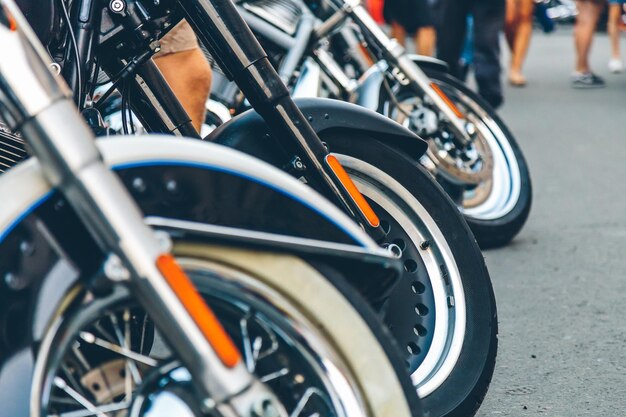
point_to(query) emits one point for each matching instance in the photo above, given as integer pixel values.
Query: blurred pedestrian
(518, 28)
(584, 29)
(413, 17)
(451, 20)
(616, 8)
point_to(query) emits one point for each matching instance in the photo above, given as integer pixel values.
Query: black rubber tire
(379, 330)
(500, 231)
(464, 390)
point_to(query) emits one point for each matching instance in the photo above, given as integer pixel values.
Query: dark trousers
(488, 16)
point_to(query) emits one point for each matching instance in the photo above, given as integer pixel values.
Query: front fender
(249, 133)
(44, 250)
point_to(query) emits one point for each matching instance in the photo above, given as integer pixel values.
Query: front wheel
(313, 344)
(442, 312)
(489, 178)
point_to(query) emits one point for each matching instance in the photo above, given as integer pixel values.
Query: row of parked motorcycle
(315, 253)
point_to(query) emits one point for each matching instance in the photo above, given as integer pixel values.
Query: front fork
(222, 29)
(39, 105)
(403, 68)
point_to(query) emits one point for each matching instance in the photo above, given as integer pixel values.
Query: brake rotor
(472, 166)
(474, 170)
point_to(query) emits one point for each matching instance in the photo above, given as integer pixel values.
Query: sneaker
(616, 65)
(587, 80)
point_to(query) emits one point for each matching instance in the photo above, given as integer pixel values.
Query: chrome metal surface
(449, 331)
(497, 195)
(309, 82)
(334, 70)
(252, 236)
(27, 86)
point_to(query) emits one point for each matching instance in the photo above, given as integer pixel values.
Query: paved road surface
(561, 285)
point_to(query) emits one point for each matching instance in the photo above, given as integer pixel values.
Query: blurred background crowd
(466, 35)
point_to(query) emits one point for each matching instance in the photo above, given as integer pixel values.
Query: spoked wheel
(443, 311)
(296, 331)
(487, 178)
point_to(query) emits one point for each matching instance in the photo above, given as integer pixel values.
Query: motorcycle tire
(443, 310)
(505, 225)
(304, 331)
(497, 209)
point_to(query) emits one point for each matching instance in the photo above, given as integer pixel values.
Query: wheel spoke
(274, 375)
(109, 408)
(247, 345)
(62, 385)
(310, 392)
(91, 339)
(130, 366)
(122, 341)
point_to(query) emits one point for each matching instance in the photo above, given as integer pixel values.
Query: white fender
(23, 188)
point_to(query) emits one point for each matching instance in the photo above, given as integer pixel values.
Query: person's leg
(398, 32)
(488, 22)
(451, 18)
(424, 27)
(425, 39)
(584, 29)
(187, 71)
(522, 40)
(189, 75)
(615, 14)
(511, 22)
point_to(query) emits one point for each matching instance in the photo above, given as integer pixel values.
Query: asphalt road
(561, 285)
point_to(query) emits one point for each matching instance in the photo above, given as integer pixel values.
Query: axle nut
(117, 6)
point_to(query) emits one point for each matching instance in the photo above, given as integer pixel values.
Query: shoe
(616, 65)
(587, 80)
(517, 80)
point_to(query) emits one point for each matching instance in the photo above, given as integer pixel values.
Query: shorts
(181, 38)
(410, 14)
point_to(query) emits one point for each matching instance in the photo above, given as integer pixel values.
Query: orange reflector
(202, 315)
(354, 192)
(11, 20)
(445, 98)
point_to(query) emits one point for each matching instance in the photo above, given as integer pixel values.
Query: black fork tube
(155, 81)
(221, 28)
(83, 21)
(153, 101)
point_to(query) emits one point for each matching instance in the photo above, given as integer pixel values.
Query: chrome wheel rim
(318, 381)
(450, 310)
(496, 197)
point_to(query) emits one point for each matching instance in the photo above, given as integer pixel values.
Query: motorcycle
(335, 49)
(442, 310)
(98, 318)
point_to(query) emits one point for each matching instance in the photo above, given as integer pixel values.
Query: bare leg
(189, 75)
(425, 39)
(522, 40)
(398, 32)
(615, 13)
(586, 21)
(510, 22)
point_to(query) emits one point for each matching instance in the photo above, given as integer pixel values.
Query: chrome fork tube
(36, 103)
(396, 55)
